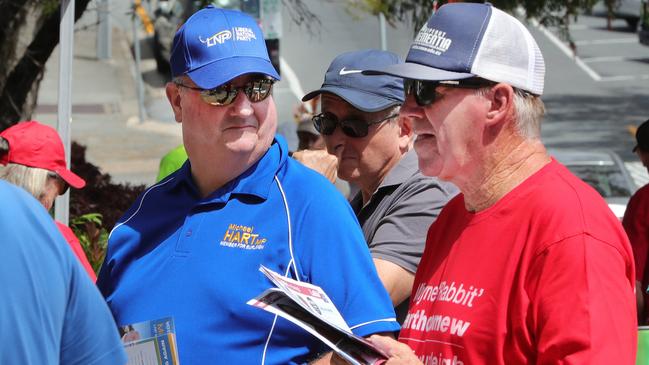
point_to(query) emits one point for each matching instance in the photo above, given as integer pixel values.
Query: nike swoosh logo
(347, 72)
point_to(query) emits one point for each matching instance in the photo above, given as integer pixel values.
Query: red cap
(37, 145)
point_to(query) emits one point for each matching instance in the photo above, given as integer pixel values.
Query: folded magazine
(150, 342)
(309, 307)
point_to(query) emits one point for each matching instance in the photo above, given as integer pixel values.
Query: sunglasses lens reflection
(256, 91)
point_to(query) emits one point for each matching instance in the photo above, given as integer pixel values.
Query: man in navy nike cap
(396, 204)
(191, 246)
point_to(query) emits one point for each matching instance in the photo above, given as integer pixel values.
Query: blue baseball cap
(463, 40)
(215, 46)
(369, 94)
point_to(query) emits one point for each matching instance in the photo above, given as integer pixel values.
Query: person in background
(527, 265)
(192, 245)
(308, 137)
(636, 224)
(171, 162)
(32, 156)
(396, 204)
(50, 312)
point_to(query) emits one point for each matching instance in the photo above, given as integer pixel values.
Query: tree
(28, 36)
(549, 13)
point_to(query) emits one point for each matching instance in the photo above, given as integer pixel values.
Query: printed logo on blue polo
(242, 237)
(243, 34)
(432, 41)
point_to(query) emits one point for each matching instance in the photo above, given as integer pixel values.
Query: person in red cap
(32, 156)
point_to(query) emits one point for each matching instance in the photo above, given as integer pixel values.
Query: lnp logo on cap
(240, 34)
(219, 38)
(432, 41)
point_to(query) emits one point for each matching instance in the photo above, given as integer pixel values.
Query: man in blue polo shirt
(50, 311)
(191, 246)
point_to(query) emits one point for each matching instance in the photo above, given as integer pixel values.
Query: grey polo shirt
(395, 221)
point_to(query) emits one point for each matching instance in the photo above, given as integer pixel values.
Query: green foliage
(92, 237)
(50, 6)
(554, 13)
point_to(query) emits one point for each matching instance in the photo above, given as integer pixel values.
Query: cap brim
(71, 178)
(221, 71)
(416, 71)
(359, 99)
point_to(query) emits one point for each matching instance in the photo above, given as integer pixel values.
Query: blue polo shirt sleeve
(332, 254)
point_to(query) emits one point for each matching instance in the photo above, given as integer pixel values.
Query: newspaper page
(150, 342)
(309, 307)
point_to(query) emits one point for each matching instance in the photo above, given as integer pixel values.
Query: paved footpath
(105, 108)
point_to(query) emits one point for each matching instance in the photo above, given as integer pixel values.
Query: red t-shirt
(73, 241)
(544, 276)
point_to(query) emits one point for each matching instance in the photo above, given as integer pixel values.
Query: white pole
(384, 40)
(138, 73)
(104, 36)
(66, 46)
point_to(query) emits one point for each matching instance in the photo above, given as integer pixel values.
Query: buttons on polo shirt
(188, 233)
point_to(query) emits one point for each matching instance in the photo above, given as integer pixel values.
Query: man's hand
(398, 353)
(320, 161)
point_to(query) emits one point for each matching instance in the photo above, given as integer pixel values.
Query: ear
(501, 107)
(405, 132)
(173, 95)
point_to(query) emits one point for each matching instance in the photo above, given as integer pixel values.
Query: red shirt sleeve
(73, 241)
(582, 303)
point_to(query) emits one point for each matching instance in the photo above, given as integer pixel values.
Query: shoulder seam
(140, 205)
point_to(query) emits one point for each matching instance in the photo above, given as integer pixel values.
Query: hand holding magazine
(309, 307)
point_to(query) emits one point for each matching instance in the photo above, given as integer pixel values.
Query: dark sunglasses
(256, 91)
(326, 124)
(65, 185)
(425, 91)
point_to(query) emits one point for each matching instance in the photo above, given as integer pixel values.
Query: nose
(410, 109)
(335, 142)
(241, 106)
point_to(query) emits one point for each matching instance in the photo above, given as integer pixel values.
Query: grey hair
(32, 179)
(529, 112)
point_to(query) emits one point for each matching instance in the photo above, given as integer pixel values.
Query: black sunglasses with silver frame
(327, 122)
(425, 92)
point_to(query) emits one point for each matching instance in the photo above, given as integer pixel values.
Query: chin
(243, 145)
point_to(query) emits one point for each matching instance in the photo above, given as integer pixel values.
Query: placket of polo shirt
(189, 231)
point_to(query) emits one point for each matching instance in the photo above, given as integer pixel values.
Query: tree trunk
(21, 74)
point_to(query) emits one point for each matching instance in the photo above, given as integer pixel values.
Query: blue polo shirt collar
(255, 181)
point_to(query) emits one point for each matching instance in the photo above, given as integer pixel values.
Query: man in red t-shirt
(636, 224)
(528, 265)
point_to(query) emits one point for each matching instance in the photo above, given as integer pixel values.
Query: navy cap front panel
(451, 38)
(344, 79)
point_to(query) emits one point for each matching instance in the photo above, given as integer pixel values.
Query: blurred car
(604, 171)
(629, 10)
